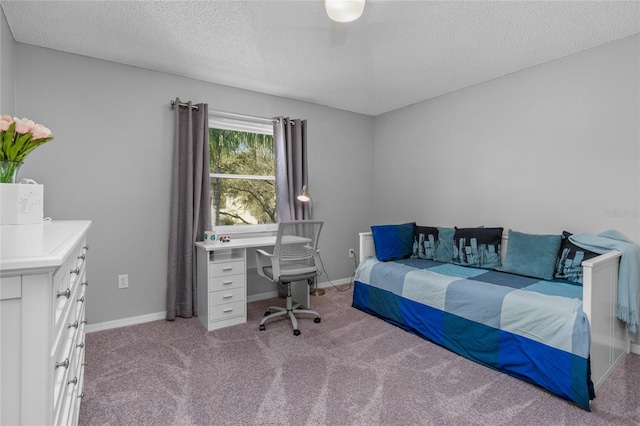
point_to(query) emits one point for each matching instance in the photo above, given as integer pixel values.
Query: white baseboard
(635, 349)
(335, 282)
(90, 328)
(107, 325)
(272, 294)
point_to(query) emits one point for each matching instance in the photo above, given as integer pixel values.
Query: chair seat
(293, 272)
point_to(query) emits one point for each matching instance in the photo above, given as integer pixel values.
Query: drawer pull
(80, 345)
(227, 268)
(226, 310)
(81, 300)
(84, 321)
(86, 247)
(82, 256)
(75, 271)
(64, 363)
(66, 293)
(227, 296)
(73, 381)
(86, 283)
(74, 325)
(227, 282)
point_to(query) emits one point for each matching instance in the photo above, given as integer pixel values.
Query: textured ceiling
(398, 53)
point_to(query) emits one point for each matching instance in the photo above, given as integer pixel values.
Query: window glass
(242, 167)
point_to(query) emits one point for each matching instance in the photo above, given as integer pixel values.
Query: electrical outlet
(123, 281)
(352, 253)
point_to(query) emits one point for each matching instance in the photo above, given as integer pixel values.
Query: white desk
(222, 281)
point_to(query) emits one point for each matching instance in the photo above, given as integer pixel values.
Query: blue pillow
(477, 247)
(393, 242)
(532, 255)
(444, 248)
(425, 240)
(569, 262)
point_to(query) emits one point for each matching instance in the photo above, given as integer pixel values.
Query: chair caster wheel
(317, 320)
(262, 327)
(296, 332)
(266, 314)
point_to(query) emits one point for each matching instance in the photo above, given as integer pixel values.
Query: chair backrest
(296, 250)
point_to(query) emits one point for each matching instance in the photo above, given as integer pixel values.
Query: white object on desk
(43, 287)
(222, 281)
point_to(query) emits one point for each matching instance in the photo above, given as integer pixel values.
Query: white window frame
(251, 127)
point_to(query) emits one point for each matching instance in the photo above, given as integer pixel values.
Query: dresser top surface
(39, 246)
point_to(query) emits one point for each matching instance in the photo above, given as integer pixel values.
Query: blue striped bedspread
(531, 329)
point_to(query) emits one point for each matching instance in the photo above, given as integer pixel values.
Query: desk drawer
(227, 282)
(226, 268)
(227, 310)
(226, 296)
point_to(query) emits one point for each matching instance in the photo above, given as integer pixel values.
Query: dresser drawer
(66, 281)
(226, 268)
(227, 282)
(227, 310)
(61, 288)
(68, 356)
(226, 296)
(64, 364)
(66, 304)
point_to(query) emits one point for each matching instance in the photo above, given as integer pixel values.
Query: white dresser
(43, 284)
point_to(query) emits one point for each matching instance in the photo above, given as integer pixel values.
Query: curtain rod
(225, 114)
(184, 105)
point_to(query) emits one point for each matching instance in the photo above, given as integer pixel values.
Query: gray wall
(542, 150)
(550, 148)
(111, 158)
(547, 149)
(7, 63)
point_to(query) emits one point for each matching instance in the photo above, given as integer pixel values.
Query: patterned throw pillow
(477, 247)
(444, 247)
(425, 239)
(569, 262)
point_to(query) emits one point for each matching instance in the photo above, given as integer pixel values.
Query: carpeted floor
(351, 369)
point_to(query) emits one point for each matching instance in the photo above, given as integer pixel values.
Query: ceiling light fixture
(344, 10)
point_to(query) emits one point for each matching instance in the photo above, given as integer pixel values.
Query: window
(242, 167)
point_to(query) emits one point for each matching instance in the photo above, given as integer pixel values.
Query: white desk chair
(295, 258)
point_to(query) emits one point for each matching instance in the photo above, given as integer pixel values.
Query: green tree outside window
(242, 167)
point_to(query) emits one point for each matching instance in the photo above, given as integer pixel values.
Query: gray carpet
(351, 369)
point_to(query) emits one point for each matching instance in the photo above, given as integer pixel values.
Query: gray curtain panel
(290, 139)
(190, 210)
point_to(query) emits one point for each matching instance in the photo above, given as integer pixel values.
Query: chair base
(290, 311)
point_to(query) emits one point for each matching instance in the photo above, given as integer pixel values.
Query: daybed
(451, 288)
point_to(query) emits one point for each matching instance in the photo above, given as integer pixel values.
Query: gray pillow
(532, 255)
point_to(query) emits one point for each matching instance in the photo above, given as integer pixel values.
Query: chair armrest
(261, 262)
